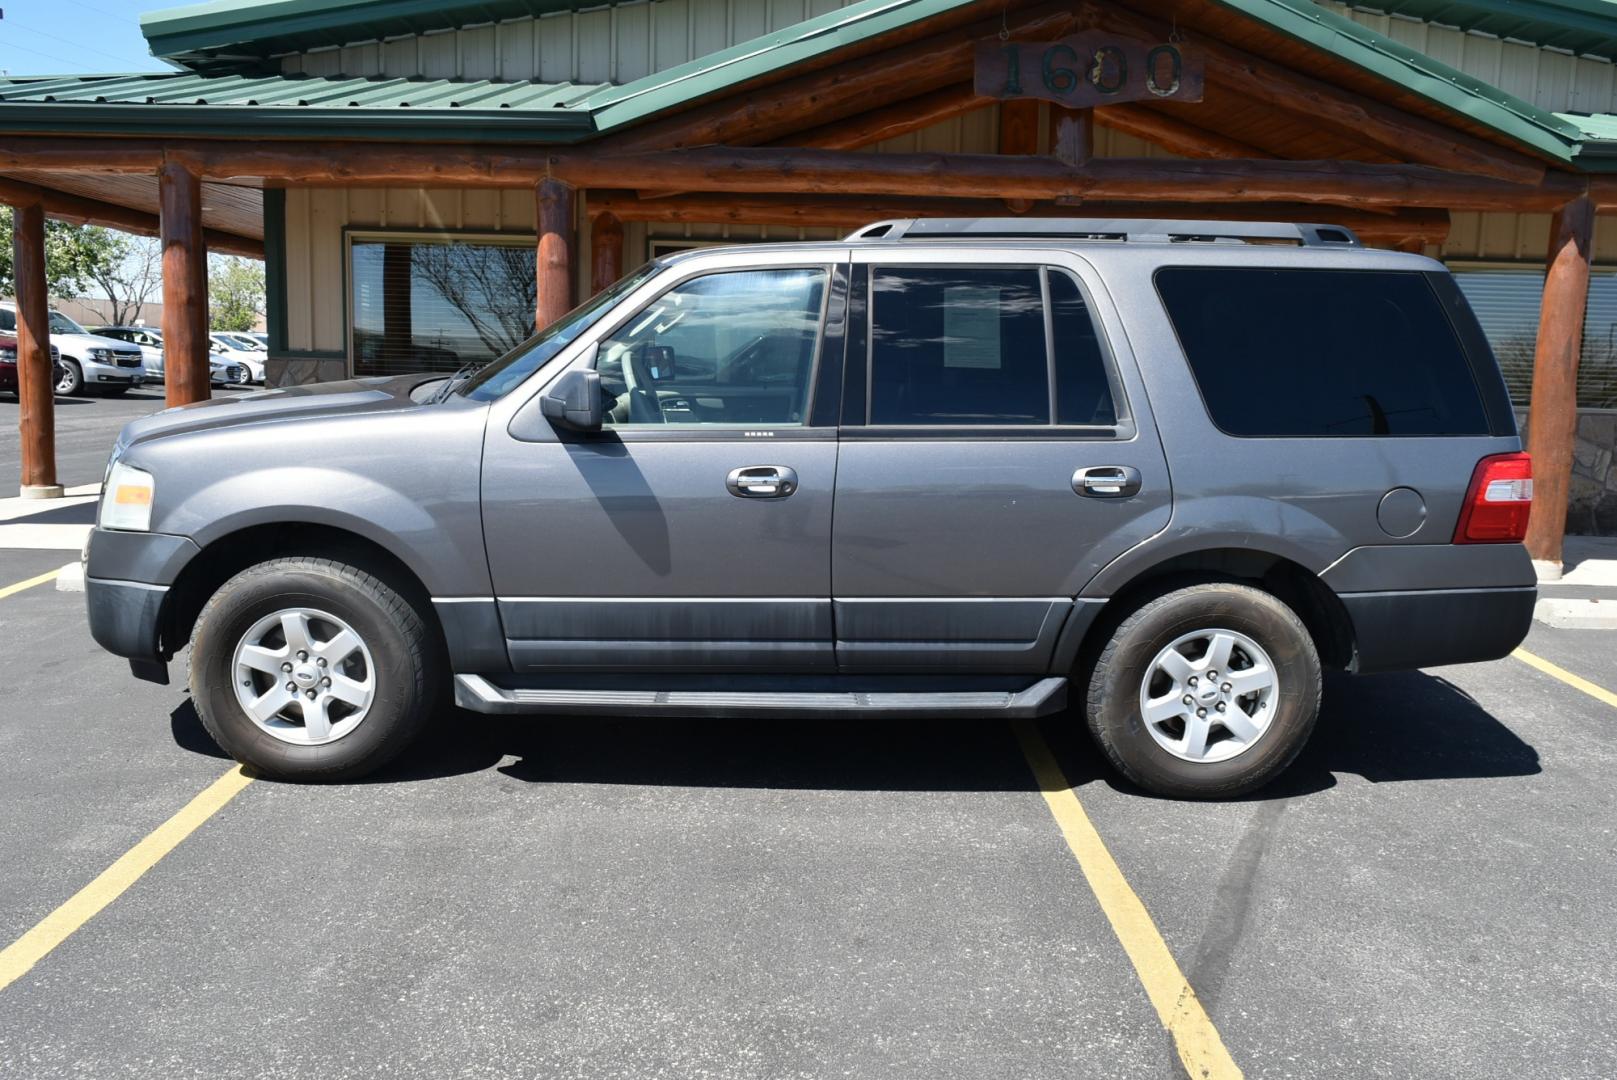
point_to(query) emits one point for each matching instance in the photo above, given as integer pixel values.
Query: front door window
(734, 348)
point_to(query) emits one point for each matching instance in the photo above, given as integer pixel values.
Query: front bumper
(127, 576)
(125, 616)
(1397, 631)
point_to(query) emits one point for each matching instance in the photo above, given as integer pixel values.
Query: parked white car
(229, 347)
(88, 362)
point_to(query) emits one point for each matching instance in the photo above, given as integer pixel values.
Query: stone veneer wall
(1592, 506)
(299, 370)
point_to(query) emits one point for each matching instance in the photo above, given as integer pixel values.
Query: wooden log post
(606, 251)
(1072, 134)
(1552, 422)
(185, 286)
(1018, 136)
(36, 413)
(555, 259)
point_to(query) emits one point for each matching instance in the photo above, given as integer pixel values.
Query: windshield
(61, 324)
(501, 376)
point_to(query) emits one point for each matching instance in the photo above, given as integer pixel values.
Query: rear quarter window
(1322, 353)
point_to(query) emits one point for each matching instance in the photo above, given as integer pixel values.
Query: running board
(479, 694)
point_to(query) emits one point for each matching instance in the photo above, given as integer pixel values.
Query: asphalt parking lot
(1428, 893)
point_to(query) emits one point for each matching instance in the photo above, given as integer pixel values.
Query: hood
(383, 394)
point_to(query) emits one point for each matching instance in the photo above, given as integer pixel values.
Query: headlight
(126, 499)
(103, 355)
(7, 352)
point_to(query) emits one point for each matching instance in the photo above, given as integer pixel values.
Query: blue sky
(75, 37)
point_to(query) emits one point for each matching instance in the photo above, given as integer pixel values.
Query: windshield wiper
(462, 373)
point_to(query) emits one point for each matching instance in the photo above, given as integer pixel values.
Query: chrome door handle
(762, 481)
(1107, 481)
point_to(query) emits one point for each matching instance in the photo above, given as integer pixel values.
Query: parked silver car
(222, 371)
(1163, 472)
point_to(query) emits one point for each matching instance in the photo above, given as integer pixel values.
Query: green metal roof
(1416, 72)
(226, 32)
(1580, 26)
(245, 104)
(1598, 151)
(299, 105)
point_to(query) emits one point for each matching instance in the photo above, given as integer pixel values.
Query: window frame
(863, 305)
(813, 388)
(1462, 343)
(371, 234)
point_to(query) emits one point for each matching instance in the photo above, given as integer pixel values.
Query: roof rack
(1120, 230)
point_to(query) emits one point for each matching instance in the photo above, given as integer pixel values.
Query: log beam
(1173, 134)
(891, 121)
(1552, 422)
(36, 412)
(555, 256)
(748, 117)
(80, 210)
(765, 169)
(850, 212)
(1403, 135)
(185, 288)
(606, 251)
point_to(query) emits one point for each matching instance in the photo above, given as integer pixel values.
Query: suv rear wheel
(311, 669)
(1208, 691)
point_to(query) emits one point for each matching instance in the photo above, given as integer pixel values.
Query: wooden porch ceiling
(234, 207)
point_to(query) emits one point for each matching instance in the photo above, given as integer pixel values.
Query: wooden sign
(1092, 68)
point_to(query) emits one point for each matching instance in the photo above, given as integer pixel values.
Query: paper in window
(971, 326)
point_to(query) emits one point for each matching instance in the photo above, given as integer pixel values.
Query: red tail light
(1498, 502)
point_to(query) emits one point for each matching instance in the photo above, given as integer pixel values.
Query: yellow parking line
(21, 955)
(1201, 1051)
(12, 590)
(1599, 693)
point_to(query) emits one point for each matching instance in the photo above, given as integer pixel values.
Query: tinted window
(1083, 393)
(1322, 352)
(730, 348)
(8, 320)
(957, 346)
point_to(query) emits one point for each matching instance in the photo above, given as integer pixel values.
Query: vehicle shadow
(1384, 728)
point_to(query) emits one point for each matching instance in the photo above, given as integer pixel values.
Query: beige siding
(1549, 78)
(608, 44)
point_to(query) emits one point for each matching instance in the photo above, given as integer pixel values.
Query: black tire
(1115, 680)
(69, 379)
(401, 645)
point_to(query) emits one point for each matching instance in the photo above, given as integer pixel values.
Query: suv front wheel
(1208, 691)
(311, 669)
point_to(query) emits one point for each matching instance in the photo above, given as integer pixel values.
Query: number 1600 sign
(1089, 69)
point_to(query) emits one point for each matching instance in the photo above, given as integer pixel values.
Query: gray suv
(1160, 472)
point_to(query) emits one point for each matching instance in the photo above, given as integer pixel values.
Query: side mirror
(574, 400)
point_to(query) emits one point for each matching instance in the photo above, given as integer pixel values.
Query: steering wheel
(644, 408)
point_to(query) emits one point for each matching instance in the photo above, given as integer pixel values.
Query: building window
(1506, 302)
(436, 303)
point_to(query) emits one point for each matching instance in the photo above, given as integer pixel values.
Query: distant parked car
(231, 348)
(87, 361)
(262, 339)
(8, 362)
(147, 339)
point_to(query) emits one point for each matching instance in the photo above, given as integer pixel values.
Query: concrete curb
(1566, 614)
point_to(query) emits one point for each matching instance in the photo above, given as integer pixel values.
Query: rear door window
(973, 346)
(1298, 353)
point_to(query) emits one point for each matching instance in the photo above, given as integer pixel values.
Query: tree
(73, 255)
(131, 277)
(235, 292)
